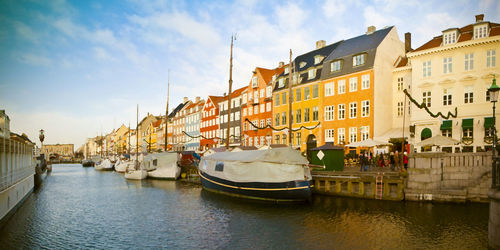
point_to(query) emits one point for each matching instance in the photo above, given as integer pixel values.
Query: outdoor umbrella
(368, 143)
(437, 140)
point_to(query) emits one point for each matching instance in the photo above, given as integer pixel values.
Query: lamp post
(41, 137)
(493, 90)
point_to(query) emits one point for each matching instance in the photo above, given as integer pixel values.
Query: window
(426, 68)
(306, 114)
(255, 124)
(277, 119)
(365, 108)
(250, 110)
(446, 132)
(315, 91)
(487, 93)
(468, 133)
(283, 139)
(277, 139)
(490, 58)
(480, 31)
(341, 87)
(449, 38)
(341, 114)
(268, 91)
(283, 96)
(307, 95)
(298, 94)
(268, 121)
(280, 83)
(317, 59)
(299, 138)
(365, 82)
(353, 84)
(237, 115)
(364, 132)
(287, 69)
(400, 109)
(256, 96)
(315, 113)
(283, 118)
(468, 94)
(244, 98)
(400, 83)
(277, 100)
(262, 140)
(329, 135)
(254, 82)
(469, 61)
(256, 109)
(299, 116)
(353, 110)
(336, 66)
(426, 98)
(250, 141)
(447, 95)
(447, 65)
(311, 74)
(358, 60)
(353, 134)
(329, 89)
(231, 117)
(341, 136)
(329, 113)
(262, 123)
(244, 126)
(262, 93)
(268, 107)
(262, 108)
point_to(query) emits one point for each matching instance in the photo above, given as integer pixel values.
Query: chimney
(320, 44)
(281, 64)
(197, 99)
(370, 30)
(224, 94)
(407, 42)
(185, 99)
(479, 18)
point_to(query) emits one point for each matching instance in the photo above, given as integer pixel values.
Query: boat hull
(291, 191)
(136, 175)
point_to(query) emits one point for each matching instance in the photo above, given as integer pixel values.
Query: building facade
(234, 118)
(63, 150)
(192, 124)
(453, 71)
(209, 125)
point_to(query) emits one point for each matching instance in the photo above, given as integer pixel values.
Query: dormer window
(358, 60)
(312, 73)
(302, 64)
(254, 82)
(480, 31)
(449, 37)
(317, 59)
(280, 83)
(336, 66)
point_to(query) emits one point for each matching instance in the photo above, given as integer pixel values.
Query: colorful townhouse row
(349, 91)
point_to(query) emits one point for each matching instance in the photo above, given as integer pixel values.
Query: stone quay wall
(449, 177)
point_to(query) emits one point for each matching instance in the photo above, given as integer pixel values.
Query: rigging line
(423, 106)
(281, 129)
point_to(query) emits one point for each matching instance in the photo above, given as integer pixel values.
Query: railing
(495, 182)
(14, 176)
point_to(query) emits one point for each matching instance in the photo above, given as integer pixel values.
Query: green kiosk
(329, 155)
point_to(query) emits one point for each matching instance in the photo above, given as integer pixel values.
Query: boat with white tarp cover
(278, 174)
(165, 165)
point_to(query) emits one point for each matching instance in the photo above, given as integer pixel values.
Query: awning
(488, 122)
(426, 133)
(468, 123)
(446, 125)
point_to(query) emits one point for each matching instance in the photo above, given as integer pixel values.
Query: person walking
(405, 160)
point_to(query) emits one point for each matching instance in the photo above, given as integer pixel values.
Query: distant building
(63, 150)
(209, 125)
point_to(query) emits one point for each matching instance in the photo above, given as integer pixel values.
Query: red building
(209, 125)
(257, 107)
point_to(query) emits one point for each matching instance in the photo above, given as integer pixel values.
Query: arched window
(426, 133)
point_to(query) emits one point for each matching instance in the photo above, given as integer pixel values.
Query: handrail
(15, 176)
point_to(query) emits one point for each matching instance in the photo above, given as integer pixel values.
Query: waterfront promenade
(79, 207)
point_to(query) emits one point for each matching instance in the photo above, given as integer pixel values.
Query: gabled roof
(157, 123)
(402, 61)
(465, 34)
(177, 109)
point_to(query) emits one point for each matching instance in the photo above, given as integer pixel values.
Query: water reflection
(82, 208)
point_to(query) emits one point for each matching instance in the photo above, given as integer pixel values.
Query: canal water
(79, 207)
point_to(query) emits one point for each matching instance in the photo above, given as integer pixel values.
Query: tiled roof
(215, 99)
(403, 61)
(157, 123)
(465, 34)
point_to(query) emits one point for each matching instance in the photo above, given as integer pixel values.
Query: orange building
(257, 107)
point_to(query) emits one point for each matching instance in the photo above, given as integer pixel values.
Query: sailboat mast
(229, 94)
(290, 99)
(137, 137)
(166, 113)
(129, 138)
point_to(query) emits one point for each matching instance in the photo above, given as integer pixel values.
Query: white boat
(165, 165)
(278, 175)
(122, 166)
(105, 165)
(136, 174)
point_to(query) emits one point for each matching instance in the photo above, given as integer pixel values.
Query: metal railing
(15, 176)
(16, 162)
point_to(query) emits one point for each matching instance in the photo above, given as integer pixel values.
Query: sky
(78, 68)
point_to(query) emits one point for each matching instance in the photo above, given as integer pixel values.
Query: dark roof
(328, 146)
(177, 109)
(465, 34)
(367, 43)
(402, 61)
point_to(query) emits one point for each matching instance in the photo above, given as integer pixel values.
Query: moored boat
(87, 163)
(122, 166)
(278, 175)
(105, 165)
(165, 164)
(138, 174)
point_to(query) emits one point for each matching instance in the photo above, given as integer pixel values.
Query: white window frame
(268, 107)
(447, 65)
(353, 134)
(469, 61)
(330, 135)
(341, 112)
(341, 86)
(365, 108)
(427, 68)
(491, 58)
(341, 135)
(311, 74)
(365, 81)
(329, 89)
(427, 98)
(330, 113)
(353, 110)
(353, 84)
(469, 94)
(269, 91)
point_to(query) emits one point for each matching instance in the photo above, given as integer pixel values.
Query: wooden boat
(277, 175)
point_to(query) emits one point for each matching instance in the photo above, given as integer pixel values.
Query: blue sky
(76, 68)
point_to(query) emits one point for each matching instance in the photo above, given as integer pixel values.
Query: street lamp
(493, 90)
(41, 137)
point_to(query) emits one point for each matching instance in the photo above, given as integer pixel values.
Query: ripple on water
(82, 208)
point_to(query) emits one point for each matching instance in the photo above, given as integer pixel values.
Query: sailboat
(277, 174)
(137, 173)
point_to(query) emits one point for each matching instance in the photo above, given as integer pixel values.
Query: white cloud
(34, 59)
(334, 8)
(377, 18)
(102, 54)
(26, 32)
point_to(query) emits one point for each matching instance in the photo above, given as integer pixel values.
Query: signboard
(320, 155)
